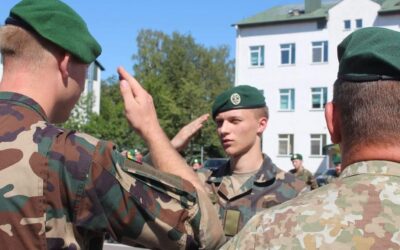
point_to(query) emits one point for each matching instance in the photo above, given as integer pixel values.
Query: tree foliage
(184, 78)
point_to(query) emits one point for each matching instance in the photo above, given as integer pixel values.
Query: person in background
(196, 165)
(337, 162)
(62, 189)
(301, 172)
(250, 181)
(360, 209)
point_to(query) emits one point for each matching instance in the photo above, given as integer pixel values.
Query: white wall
(302, 76)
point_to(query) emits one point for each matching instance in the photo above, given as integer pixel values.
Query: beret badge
(235, 99)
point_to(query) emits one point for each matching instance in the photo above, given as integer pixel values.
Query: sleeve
(137, 204)
(312, 181)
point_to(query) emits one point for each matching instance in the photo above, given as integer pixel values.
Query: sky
(116, 23)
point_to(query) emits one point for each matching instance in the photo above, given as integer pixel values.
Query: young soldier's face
(238, 130)
(297, 163)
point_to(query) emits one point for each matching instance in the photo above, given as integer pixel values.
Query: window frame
(290, 49)
(347, 21)
(323, 51)
(289, 147)
(291, 99)
(259, 50)
(321, 140)
(359, 23)
(322, 93)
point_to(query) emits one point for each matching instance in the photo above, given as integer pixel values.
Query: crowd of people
(65, 189)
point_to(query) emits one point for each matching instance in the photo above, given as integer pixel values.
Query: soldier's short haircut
(17, 43)
(369, 111)
(262, 112)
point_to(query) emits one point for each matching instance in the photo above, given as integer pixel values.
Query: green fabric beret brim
(370, 54)
(239, 97)
(58, 23)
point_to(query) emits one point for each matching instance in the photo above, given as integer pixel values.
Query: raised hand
(186, 133)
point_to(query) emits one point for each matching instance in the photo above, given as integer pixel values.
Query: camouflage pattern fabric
(306, 176)
(63, 190)
(331, 178)
(268, 187)
(361, 210)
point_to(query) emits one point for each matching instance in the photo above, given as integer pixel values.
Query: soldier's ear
(333, 122)
(262, 124)
(63, 65)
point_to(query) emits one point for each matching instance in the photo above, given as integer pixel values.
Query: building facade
(93, 84)
(289, 53)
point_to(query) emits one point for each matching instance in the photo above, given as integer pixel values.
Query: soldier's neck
(369, 153)
(248, 162)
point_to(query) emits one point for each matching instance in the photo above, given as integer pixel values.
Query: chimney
(311, 5)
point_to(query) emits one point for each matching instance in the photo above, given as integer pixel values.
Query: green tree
(111, 123)
(82, 113)
(183, 77)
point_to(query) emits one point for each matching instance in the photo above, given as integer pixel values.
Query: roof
(390, 6)
(295, 13)
(99, 65)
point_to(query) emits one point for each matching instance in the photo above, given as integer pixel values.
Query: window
(319, 97)
(286, 99)
(347, 24)
(285, 144)
(318, 141)
(288, 53)
(320, 51)
(359, 23)
(257, 55)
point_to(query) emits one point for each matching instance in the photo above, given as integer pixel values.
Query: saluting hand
(139, 106)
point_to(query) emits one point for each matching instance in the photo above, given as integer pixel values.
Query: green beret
(336, 159)
(58, 23)
(296, 157)
(370, 54)
(239, 97)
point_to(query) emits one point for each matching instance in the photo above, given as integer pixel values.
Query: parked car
(322, 179)
(214, 163)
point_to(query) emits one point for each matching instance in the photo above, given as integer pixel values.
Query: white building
(93, 83)
(289, 53)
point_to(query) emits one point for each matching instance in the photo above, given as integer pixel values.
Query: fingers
(126, 93)
(135, 86)
(203, 118)
(198, 123)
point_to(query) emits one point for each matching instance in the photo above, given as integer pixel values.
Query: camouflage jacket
(63, 190)
(306, 176)
(360, 210)
(268, 187)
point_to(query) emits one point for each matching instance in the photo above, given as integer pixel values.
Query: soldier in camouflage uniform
(360, 210)
(301, 172)
(250, 181)
(61, 189)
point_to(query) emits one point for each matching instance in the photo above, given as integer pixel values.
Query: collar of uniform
(266, 173)
(24, 101)
(372, 167)
(217, 175)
